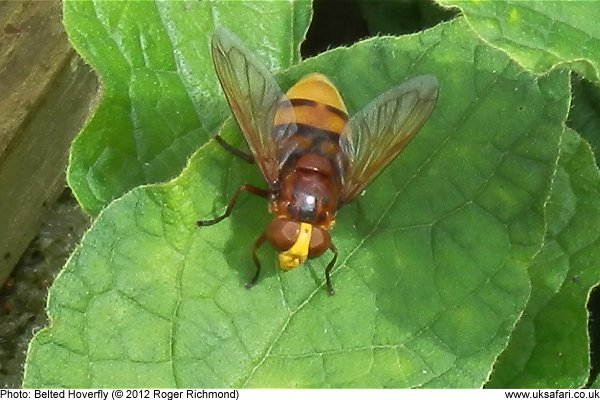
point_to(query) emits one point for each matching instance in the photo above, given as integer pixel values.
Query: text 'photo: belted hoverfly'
(313, 158)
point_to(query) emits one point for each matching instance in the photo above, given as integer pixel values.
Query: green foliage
(549, 346)
(467, 262)
(161, 99)
(539, 34)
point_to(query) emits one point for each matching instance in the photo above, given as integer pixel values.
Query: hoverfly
(313, 158)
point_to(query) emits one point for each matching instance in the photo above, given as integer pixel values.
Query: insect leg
(329, 268)
(247, 188)
(236, 152)
(261, 239)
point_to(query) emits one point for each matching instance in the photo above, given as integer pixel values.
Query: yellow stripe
(319, 117)
(318, 89)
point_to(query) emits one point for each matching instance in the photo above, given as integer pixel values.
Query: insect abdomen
(315, 102)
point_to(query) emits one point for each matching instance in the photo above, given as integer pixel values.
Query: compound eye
(319, 242)
(282, 233)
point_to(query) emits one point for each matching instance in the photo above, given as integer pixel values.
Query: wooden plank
(46, 92)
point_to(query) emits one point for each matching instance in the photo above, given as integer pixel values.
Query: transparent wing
(253, 95)
(381, 130)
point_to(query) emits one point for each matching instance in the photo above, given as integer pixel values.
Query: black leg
(328, 270)
(261, 239)
(247, 188)
(236, 152)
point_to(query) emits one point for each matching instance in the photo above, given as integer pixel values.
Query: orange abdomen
(311, 175)
(315, 102)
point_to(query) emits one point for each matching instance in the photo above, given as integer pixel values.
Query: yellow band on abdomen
(313, 101)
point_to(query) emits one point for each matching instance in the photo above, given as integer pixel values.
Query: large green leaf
(544, 352)
(540, 34)
(160, 98)
(550, 347)
(432, 273)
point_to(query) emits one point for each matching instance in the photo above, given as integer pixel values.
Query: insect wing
(375, 135)
(253, 95)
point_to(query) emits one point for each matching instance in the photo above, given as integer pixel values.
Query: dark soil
(23, 297)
